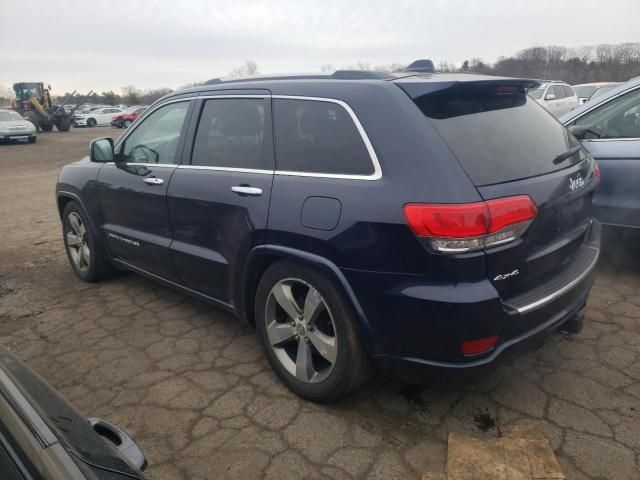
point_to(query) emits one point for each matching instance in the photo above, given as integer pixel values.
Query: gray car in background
(609, 128)
(14, 127)
(588, 91)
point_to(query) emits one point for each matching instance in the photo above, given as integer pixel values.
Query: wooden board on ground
(522, 452)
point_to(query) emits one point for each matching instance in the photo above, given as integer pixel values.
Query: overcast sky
(107, 44)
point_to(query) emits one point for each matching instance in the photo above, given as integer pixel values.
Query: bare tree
(130, 95)
(326, 67)
(249, 68)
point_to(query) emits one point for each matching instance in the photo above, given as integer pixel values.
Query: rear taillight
(596, 172)
(471, 226)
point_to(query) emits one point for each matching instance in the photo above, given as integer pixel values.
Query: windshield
(585, 91)
(10, 116)
(497, 133)
(536, 93)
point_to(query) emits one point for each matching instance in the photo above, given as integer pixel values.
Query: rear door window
(231, 134)
(568, 91)
(497, 132)
(318, 137)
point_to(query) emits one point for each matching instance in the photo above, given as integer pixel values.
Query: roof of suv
(268, 81)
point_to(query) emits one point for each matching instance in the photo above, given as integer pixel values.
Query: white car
(557, 97)
(99, 116)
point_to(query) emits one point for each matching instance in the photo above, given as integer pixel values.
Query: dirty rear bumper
(420, 327)
(422, 371)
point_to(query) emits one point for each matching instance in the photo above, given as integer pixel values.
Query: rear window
(497, 132)
(318, 137)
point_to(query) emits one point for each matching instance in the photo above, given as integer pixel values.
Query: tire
(97, 267)
(64, 125)
(46, 127)
(343, 366)
(127, 123)
(32, 139)
(91, 122)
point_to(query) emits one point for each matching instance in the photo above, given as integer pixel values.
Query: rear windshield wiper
(569, 153)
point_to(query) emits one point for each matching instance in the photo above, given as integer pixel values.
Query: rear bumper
(419, 328)
(420, 370)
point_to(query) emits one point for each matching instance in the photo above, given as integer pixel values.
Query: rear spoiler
(417, 89)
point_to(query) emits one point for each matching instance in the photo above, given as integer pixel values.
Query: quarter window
(619, 118)
(231, 134)
(318, 137)
(156, 139)
(568, 91)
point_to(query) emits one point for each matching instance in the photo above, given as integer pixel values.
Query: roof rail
(359, 75)
(336, 75)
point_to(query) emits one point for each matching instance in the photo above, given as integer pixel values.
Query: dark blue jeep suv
(417, 222)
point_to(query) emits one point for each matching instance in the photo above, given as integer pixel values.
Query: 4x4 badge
(504, 276)
(576, 183)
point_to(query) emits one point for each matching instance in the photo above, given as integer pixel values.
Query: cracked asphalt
(191, 385)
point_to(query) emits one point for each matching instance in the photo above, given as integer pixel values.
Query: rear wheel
(309, 333)
(91, 122)
(87, 258)
(64, 124)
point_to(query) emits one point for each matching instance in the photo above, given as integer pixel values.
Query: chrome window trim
(621, 139)
(377, 170)
(226, 169)
(143, 164)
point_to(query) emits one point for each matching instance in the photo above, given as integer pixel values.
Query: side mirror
(101, 150)
(550, 96)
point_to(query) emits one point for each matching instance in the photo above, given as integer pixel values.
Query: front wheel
(86, 256)
(308, 332)
(127, 123)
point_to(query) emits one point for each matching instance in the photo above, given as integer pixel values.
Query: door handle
(153, 181)
(246, 190)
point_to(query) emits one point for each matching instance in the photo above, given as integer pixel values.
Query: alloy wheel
(77, 242)
(301, 330)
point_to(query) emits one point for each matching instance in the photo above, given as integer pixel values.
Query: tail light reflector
(596, 171)
(471, 226)
(476, 347)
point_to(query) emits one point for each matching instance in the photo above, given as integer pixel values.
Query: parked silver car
(14, 127)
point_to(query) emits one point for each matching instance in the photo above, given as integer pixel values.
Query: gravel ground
(191, 384)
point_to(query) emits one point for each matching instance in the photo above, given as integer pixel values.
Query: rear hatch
(510, 146)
